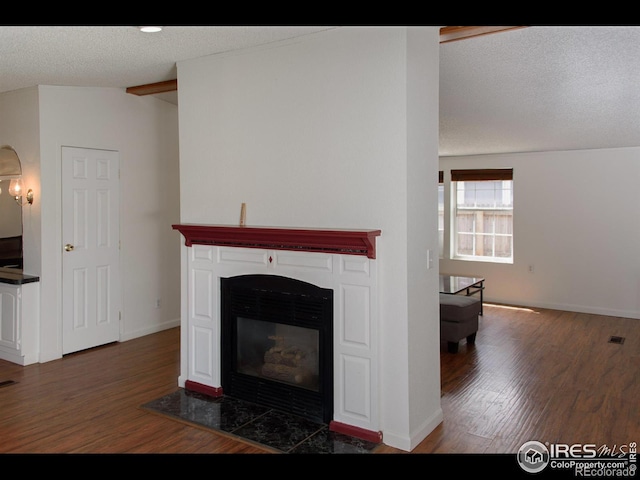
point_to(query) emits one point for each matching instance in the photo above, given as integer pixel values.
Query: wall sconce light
(15, 190)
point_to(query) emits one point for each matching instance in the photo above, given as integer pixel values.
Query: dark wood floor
(533, 374)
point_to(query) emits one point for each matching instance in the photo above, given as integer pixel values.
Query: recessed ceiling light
(150, 29)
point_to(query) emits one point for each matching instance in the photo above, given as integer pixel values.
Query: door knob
(68, 247)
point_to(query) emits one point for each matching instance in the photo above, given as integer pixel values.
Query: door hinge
(120, 316)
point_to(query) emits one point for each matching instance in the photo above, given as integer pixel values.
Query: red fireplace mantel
(343, 241)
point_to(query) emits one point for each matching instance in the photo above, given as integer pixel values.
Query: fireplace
(232, 345)
(276, 335)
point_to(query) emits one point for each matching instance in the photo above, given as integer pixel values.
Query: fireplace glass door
(279, 352)
(277, 344)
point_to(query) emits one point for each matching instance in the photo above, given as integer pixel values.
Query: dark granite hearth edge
(266, 427)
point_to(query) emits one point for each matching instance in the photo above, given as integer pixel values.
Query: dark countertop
(15, 276)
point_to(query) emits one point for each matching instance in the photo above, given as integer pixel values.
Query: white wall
(19, 128)
(144, 131)
(318, 132)
(423, 361)
(575, 222)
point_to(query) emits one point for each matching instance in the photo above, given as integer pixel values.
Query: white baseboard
(568, 307)
(149, 330)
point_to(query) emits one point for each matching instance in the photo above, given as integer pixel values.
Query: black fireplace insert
(277, 344)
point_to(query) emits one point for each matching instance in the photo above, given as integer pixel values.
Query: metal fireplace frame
(277, 299)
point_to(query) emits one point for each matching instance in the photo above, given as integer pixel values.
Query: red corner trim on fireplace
(368, 435)
(214, 392)
(344, 241)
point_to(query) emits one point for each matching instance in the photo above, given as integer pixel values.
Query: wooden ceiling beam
(153, 88)
(452, 33)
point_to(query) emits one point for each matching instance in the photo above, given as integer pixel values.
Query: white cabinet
(19, 321)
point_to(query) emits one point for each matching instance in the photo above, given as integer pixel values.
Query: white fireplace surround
(353, 279)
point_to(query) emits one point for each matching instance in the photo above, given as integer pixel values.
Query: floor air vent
(6, 383)
(614, 339)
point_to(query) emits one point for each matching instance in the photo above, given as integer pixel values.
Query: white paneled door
(90, 248)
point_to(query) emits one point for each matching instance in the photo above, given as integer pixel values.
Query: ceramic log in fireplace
(277, 344)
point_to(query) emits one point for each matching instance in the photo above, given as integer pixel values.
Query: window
(441, 213)
(483, 214)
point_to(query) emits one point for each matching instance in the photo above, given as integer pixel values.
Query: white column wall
(314, 133)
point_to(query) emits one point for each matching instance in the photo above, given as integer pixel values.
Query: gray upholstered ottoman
(458, 319)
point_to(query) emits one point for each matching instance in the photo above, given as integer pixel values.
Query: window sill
(507, 261)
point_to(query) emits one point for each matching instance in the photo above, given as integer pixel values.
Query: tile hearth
(276, 430)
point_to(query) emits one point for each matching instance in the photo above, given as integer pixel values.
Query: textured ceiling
(540, 89)
(531, 89)
(117, 56)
